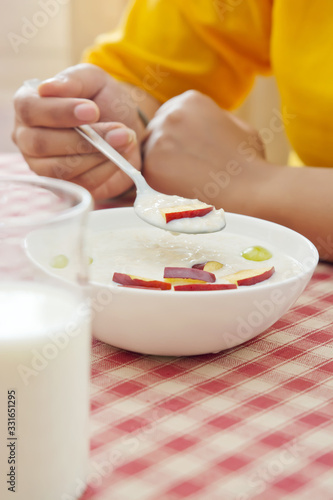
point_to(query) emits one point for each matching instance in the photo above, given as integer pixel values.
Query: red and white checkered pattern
(253, 422)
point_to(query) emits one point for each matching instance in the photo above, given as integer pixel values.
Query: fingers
(40, 142)
(90, 170)
(55, 112)
(82, 80)
(64, 153)
(79, 84)
(78, 161)
(45, 117)
(65, 167)
(95, 173)
(106, 180)
(113, 186)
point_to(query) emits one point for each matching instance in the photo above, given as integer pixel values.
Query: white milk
(44, 366)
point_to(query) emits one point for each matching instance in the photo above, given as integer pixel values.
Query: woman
(193, 146)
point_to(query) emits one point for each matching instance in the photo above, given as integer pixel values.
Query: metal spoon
(149, 203)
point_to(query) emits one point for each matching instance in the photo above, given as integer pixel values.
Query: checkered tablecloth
(253, 422)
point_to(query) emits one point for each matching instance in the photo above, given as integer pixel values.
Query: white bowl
(188, 323)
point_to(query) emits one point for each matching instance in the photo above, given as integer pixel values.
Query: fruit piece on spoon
(186, 211)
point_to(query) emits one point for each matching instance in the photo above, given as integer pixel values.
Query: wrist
(246, 187)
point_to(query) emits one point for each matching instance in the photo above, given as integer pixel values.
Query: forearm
(302, 199)
(299, 198)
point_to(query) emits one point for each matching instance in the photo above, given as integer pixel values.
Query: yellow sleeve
(169, 46)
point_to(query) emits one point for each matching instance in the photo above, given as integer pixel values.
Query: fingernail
(56, 79)
(120, 137)
(86, 112)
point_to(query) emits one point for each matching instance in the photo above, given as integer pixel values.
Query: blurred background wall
(41, 37)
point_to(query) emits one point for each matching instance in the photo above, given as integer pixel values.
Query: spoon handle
(99, 143)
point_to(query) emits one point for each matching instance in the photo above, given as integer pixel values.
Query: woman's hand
(197, 150)
(80, 94)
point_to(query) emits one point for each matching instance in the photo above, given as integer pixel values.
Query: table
(253, 422)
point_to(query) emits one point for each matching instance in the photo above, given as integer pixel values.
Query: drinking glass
(45, 338)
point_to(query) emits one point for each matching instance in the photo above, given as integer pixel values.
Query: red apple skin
(189, 273)
(257, 276)
(204, 266)
(137, 281)
(140, 287)
(201, 266)
(205, 287)
(187, 213)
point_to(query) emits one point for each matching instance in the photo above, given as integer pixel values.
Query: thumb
(82, 80)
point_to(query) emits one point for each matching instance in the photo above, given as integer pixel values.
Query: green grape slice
(256, 253)
(59, 261)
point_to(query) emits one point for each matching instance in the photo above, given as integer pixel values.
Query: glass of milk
(44, 342)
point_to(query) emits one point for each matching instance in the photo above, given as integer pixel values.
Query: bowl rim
(83, 200)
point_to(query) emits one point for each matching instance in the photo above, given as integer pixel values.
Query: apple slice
(210, 265)
(183, 281)
(186, 211)
(141, 287)
(188, 273)
(138, 281)
(250, 276)
(205, 287)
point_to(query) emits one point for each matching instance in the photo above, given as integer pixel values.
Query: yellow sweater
(219, 46)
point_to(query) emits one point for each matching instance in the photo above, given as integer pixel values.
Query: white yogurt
(148, 207)
(146, 251)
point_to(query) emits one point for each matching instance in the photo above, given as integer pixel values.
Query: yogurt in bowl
(146, 251)
(183, 323)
